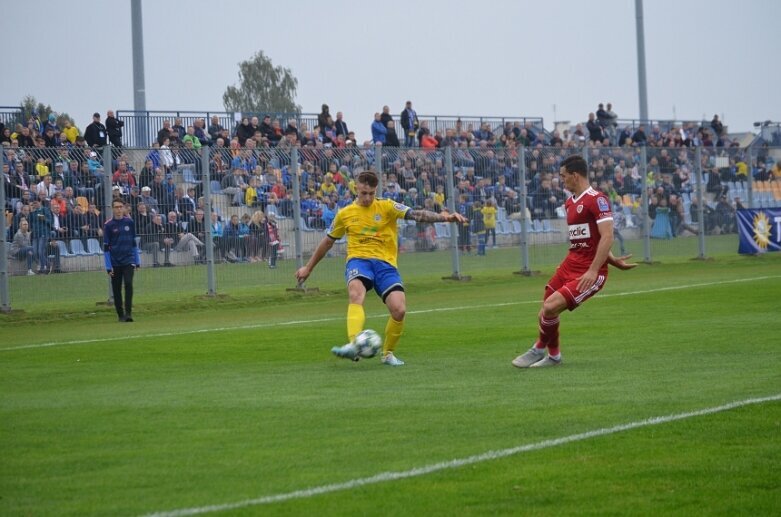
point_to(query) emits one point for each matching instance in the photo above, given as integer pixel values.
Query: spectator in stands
(725, 216)
(21, 246)
(217, 234)
(340, 126)
(184, 205)
(149, 202)
(385, 117)
(41, 225)
(464, 207)
(256, 239)
(234, 185)
(191, 138)
(639, 137)
(164, 133)
(141, 216)
(154, 238)
(379, 130)
(46, 187)
(594, 129)
(215, 128)
(177, 131)
(273, 244)
(234, 234)
(277, 133)
(717, 126)
(659, 211)
(182, 240)
(114, 129)
(70, 132)
(391, 138)
(410, 124)
(95, 134)
(625, 137)
(199, 130)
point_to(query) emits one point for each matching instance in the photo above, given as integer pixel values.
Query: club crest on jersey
(602, 204)
(580, 208)
(127, 228)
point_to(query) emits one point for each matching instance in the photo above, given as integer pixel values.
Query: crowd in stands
(55, 178)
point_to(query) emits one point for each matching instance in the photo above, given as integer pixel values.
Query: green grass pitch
(236, 405)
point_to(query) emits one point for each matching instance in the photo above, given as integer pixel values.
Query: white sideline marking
(456, 463)
(340, 318)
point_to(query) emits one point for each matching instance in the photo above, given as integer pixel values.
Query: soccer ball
(368, 343)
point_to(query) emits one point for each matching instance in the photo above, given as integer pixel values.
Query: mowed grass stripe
(461, 462)
(339, 318)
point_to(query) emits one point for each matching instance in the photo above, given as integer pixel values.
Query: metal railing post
(700, 202)
(644, 204)
(107, 181)
(5, 295)
(525, 221)
(296, 207)
(451, 206)
(211, 279)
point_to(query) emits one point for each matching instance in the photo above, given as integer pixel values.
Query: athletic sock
(549, 334)
(356, 317)
(393, 332)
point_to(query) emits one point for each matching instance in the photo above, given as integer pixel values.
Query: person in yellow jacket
(489, 220)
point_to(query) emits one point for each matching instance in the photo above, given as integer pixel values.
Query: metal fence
(245, 219)
(141, 127)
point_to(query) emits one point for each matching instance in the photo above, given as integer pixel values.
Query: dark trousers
(123, 274)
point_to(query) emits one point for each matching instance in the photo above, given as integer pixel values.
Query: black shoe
(128, 318)
(156, 265)
(122, 319)
(168, 264)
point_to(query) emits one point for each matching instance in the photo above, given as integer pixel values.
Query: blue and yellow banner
(759, 230)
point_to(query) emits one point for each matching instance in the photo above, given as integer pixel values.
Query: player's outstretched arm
(621, 262)
(426, 216)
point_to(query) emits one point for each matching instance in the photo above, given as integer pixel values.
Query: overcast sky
(491, 58)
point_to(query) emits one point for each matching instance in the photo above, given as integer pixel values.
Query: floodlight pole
(641, 78)
(139, 86)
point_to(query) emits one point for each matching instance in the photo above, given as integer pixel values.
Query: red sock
(549, 334)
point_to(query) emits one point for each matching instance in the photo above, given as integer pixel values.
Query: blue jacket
(378, 132)
(119, 243)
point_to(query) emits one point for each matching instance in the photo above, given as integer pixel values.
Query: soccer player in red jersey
(583, 272)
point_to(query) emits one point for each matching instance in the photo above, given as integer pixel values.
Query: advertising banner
(759, 230)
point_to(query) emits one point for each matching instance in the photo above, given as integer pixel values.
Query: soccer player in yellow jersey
(372, 240)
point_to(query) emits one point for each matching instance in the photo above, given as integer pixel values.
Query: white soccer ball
(368, 343)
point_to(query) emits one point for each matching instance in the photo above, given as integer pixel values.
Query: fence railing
(141, 127)
(668, 203)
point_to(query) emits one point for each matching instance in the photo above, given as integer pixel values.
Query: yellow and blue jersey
(371, 231)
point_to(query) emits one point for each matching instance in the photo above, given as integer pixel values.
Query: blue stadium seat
(547, 227)
(64, 252)
(94, 247)
(77, 247)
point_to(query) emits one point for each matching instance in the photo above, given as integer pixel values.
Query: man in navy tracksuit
(121, 257)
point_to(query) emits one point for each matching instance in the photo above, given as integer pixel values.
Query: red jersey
(583, 215)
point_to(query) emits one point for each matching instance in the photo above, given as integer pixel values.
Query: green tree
(30, 105)
(262, 88)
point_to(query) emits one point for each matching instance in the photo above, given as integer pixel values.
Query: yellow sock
(393, 332)
(356, 317)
